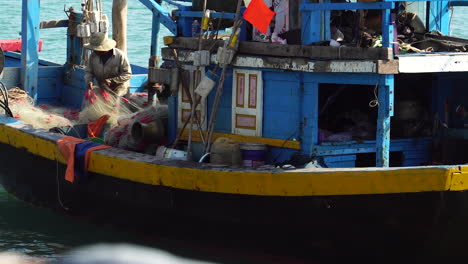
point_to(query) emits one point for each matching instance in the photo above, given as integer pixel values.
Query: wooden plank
(434, 63)
(292, 64)
(11, 77)
(279, 50)
(387, 66)
(273, 142)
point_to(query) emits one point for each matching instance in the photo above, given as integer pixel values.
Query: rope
(374, 102)
(17, 94)
(58, 185)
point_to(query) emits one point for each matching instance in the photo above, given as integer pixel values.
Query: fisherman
(107, 65)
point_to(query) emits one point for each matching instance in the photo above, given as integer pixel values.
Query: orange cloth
(67, 146)
(88, 153)
(259, 15)
(95, 127)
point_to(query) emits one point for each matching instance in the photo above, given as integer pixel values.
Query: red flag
(259, 15)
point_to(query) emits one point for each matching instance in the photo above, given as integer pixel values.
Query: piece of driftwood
(280, 50)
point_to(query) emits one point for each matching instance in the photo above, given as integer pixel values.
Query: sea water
(54, 40)
(38, 231)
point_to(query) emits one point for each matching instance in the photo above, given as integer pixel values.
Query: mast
(119, 23)
(29, 46)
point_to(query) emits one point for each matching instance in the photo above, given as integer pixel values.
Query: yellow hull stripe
(273, 142)
(301, 182)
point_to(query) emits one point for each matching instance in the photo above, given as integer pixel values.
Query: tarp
(14, 44)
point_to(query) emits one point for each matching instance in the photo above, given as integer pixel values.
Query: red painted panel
(14, 44)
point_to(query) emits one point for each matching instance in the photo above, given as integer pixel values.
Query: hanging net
(121, 135)
(98, 102)
(22, 107)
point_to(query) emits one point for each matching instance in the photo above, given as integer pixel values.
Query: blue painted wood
(11, 77)
(155, 33)
(281, 108)
(174, 3)
(326, 14)
(387, 27)
(344, 78)
(369, 146)
(223, 123)
(342, 161)
(184, 25)
(172, 120)
(138, 69)
(383, 123)
(279, 155)
(458, 3)
(346, 6)
(29, 46)
(72, 97)
(74, 47)
(311, 26)
(163, 14)
(137, 82)
(9, 120)
(439, 16)
(198, 14)
(313, 121)
(15, 59)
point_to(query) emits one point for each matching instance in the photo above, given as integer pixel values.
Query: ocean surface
(40, 232)
(139, 25)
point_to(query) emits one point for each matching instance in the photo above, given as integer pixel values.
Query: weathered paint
(155, 33)
(299, 182)
(460, 180)
(437, 62)
(163, 14)
(29, 46)
(292, 64)
(383, 122)
(283, 143)
(346, 6)
(439, 16)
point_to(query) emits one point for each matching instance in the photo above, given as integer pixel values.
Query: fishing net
(98, 102)
(121, 134)
(22, 107)
(139, 99)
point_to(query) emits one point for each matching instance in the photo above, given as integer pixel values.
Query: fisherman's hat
(100, 42)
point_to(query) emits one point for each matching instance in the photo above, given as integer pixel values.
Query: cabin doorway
(247, 103)
(193, 75)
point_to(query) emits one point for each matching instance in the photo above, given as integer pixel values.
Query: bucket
(253, 154)
(169, 153)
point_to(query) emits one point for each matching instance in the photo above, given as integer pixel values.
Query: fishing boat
(309, 115)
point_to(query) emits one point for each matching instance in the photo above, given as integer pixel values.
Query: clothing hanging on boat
(77, 155)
